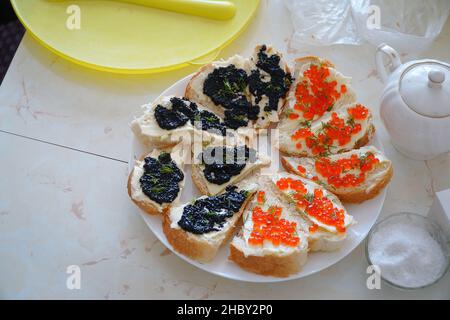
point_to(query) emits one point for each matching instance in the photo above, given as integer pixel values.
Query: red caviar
(358, 112)
(261, 197)
(337, 129)
(315, 95)
(313, 228)
(334, 171)
(269, 226)
(315, 204)
(301, 169)
(302, 133)
(293, 115)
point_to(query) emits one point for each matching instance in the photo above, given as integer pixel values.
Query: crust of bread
(366, 138)
(303, 60)
(360, 195)
(199, 180)
(286, 165)
(194, 248)
(267, 265)
(158, 144)
(189, 92)
(145, 206)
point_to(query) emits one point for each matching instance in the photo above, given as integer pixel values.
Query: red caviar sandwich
(321, 116)
(273, 239)
(327, 218)
(353, 176)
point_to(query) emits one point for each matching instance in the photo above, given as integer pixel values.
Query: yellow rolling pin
(218, 10)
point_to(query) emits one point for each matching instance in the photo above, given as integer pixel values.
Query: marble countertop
(65, 144)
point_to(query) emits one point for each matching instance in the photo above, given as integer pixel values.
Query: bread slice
(261, 98)
(295, 144)
(375, 180)
(266, 258)
(323, 235)
(200, 247)
(136, 193)
(205, 125)
(211, 188)
(294, 113)
(195, 88)
(148, 132)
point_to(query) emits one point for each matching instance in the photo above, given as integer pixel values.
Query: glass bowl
(427, 224)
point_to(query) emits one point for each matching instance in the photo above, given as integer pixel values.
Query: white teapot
(415, 104)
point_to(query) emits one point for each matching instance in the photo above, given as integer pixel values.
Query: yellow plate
(125, 38)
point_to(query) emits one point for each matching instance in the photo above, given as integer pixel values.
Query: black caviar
(274, 89)
(208, 121)
(222, 163)
(169, 119)
(226, 86)
(210, 213)
(183, 111)
(160, 181)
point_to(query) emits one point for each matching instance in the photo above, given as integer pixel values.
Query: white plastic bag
(322, 22)
(407, 25)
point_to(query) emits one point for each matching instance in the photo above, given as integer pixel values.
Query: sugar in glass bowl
(412, 251)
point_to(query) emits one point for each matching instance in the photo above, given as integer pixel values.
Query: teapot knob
(436, 77)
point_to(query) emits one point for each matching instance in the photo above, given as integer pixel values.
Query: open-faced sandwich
(273, 239)
(338, 131)
(318, 89)
(156, 181)
(219, 166)
(246, 92)
(168, 120)
(353, 176)
(326, 215)
(198, 229)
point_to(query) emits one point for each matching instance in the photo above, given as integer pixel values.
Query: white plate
(365, 214)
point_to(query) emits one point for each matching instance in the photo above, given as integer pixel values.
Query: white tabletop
(65, 143)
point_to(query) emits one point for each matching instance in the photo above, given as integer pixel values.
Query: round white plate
(365, 214)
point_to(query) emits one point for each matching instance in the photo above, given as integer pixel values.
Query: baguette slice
(194, 89)
(309, 200)
(323, 136)
(377, 176)
(253, 69)
(206, 125)
(295, 113)
(279, 260)
(211, 188)
(270, 105)
(136, 193)
(201, 247)
(148, 131)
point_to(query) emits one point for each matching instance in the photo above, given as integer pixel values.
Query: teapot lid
(425, 88)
